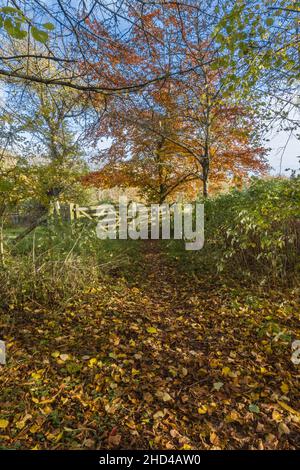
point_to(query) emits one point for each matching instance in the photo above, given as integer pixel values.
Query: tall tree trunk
(205, 190)
(162, 194)
(2, 245)
(2, 255)
(205, 171)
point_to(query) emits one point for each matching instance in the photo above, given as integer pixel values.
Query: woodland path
(163, 361)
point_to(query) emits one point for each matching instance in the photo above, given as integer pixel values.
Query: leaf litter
(171, 362)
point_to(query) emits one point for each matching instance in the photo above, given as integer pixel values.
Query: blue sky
(278, 143)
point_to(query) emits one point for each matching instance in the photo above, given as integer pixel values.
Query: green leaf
(38, 35)
(8, 10)
(254, 408)
(8, 25)
(14, 30)
(19, 33)
(269, 21)
(48, 26)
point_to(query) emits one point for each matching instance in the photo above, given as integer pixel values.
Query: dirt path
(169, 363)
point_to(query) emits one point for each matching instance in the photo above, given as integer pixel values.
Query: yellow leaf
(226, 371)
(37, 375)
(276, 416)
(55, 437)
(289, 408)
(284, 388)
(151, 329)
(92, 362)
(158, 414)
(20, 424)
(47, 410)
(34, 428)
(202, 410)
(131, 424)
(214, 363)
(232, 416)
(164, 396)
(3, 423)
(186, 447)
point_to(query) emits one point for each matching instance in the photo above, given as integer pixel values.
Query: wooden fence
(71, 212)
(76, 212)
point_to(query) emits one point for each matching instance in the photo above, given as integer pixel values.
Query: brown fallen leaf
(114, 440)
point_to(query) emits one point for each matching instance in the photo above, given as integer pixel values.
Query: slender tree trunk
(205, 171)
(206, 159)
(205, 190)
(162, 194)
(2, 257)
(2, 254)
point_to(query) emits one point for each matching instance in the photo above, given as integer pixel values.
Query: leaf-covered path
(163, 360)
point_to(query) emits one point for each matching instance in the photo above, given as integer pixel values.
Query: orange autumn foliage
(180, 135)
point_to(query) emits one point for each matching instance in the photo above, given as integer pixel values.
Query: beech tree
(199, 119)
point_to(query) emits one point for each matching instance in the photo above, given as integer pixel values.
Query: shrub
(252, 232)
(257, 230)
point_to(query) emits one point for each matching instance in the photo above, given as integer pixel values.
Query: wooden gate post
(74, 212)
